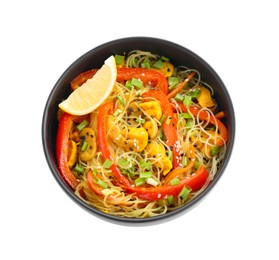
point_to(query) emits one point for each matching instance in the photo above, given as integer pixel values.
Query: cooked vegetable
(72, 153)
(88, 145)
(205, 99)
(64, 128)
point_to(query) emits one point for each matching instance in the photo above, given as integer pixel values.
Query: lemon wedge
(93, 92)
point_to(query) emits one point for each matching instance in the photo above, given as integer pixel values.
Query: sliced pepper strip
(82, 78)
(92, 185)
(104, 110)
(178, 171)
(169, 124)
(64, 128)
(203, 115)
(195, 182)
(147, 76)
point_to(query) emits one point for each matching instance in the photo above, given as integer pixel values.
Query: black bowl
(178, 55)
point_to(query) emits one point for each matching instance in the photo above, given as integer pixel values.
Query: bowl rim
(136, 221)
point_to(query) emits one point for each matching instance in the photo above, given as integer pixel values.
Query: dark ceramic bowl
(178, 55)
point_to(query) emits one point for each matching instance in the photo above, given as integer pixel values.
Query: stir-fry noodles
(153, 145)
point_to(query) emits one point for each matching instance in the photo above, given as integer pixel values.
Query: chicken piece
(205, 99)
(152, 108)
(137, 138)
(151, 128)
(88, 145)
(157, 151)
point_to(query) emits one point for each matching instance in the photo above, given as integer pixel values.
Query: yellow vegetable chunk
(157, 151)
(205, 99)
(152, 108)
(167, 70)
(151, 128)
(72, 153)
(88, 146)
(138, 138)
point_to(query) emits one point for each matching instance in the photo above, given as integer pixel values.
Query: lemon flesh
(93, 92)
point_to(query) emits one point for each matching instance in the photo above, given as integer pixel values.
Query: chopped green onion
(140, 120)
(187, 100)
(196, 164)
(184, 193)
(131, 171)
(145, 64)
(170, 199)
(129, 85)
(170, 154)
(189, 123)
(152, 182)
(172, 81)
(101, 183)
(215, 149)
(179, 97)
(158, 64)
(95, 172)
(174, 181)
(162, 119)
(121, 100)
(184, 161)
(168, 120)
(123, 163)
(119, 59)
(131, 174)
(145, 174)
(82, 125)
(137, 83)
(124, 171)
(84, 146)
(195, 93)
(117, 112)
(144, 164)
(163, 58)
(79, 168)
(140, 181)
(107, 164)
(185, 115)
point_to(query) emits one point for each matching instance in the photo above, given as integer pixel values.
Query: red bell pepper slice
(169, 124)
(195, 182)
(104, 110)
(203, 115)
(147, 76)
(64, 128)
(92, 185)
(82, 78)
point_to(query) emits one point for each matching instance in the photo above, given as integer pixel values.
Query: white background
(237, 220)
